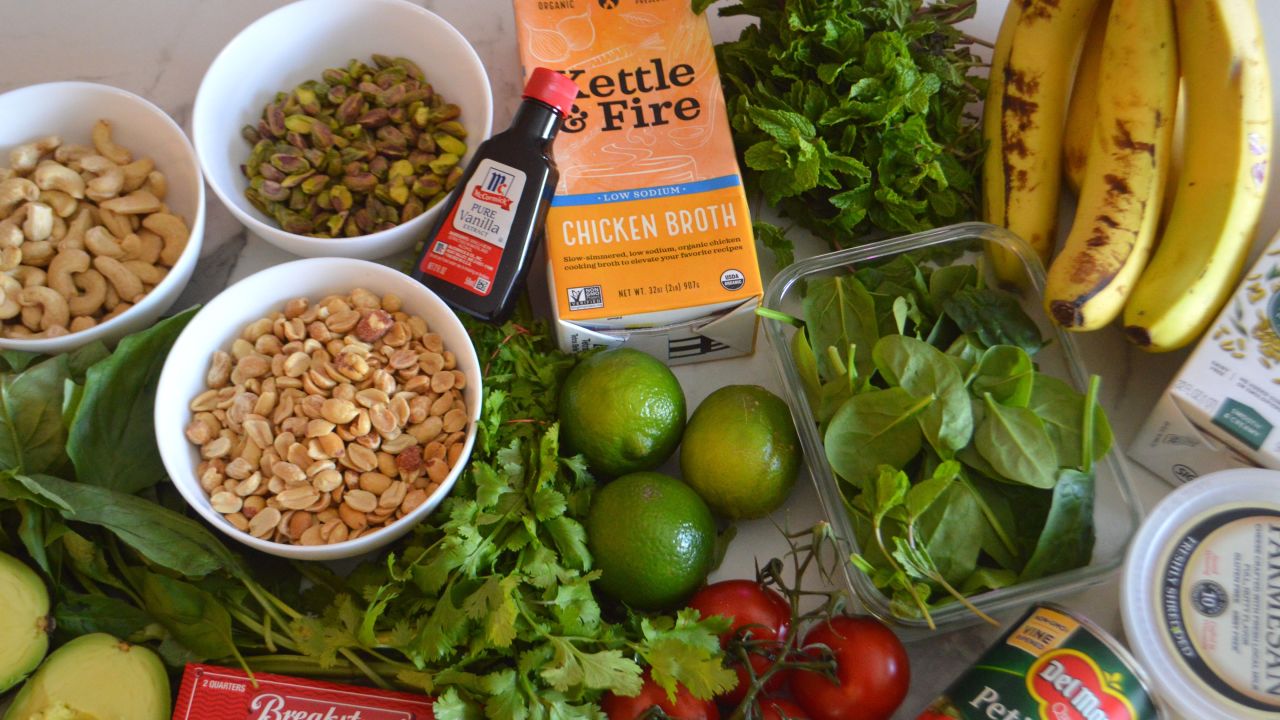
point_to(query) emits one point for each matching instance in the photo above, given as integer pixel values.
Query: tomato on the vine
(781, 709)
(760, 664)
(686, 706)
(752, 607)
(871, 665)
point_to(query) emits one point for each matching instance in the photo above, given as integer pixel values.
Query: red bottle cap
(552, 88)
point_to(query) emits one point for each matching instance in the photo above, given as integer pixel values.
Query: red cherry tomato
(752, 607)
(781, 709)
(872, 667)
(760, 664)
(686, 706)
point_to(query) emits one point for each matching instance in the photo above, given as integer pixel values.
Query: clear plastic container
(1116, 510)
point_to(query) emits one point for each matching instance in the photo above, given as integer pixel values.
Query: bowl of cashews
(101, 215)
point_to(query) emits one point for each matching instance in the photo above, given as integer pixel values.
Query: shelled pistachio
(363, 149)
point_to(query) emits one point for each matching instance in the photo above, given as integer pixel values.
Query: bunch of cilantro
(850, 114)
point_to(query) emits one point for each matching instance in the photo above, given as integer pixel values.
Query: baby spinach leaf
(840, 313)
(994, 317)
(192, 616)
(31, 431)
(1005, 371)
(949, 529)
(984, 579)
(923, 370)
(1014, 441)
(872, 429)
(1062, 409)
(114, 419)
(1066, 542)
(947, 281)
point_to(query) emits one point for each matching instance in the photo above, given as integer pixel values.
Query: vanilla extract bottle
(477, 255)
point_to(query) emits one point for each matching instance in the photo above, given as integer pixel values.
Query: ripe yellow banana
(1119, 205)
(1083, 107)
(1223, 182)
(1023, 121)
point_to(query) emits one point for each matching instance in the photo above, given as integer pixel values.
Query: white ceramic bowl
(297, 43)
(222, 320)
(69, 109)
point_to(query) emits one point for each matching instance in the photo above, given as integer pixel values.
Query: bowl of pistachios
(332, 128)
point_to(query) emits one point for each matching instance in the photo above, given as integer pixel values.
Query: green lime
(623, 410)
(741, 452)
(653, 540)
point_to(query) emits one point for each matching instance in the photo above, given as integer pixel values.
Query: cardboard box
(210, 692)
(648, 238)
(1222, 409)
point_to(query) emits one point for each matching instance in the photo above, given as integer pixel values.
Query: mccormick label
(1219, 600)
(649, 228)
(216, 693)
(467, 249)
(1050, 666)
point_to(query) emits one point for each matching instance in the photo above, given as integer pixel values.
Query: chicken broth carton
(649, 237)
(1222, 409)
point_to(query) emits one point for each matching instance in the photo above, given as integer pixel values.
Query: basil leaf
(1005, 371)
(79, 614)
(839, 313)
(872, 429)
(192, 616)
(114, 419)
(1066, 542)
(923, 370)
(162, 536)
(1062, 409)
(1014, 441)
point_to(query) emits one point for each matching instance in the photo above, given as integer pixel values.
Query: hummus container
(1201, 596)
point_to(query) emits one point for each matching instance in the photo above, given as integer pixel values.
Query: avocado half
(95, 677)
(24, 621)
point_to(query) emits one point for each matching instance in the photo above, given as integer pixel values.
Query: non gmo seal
(732, 279)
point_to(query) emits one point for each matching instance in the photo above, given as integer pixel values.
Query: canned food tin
(1051, 665)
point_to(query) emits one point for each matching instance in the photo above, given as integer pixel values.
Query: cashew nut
(63, 204)
(53, 307)
(11, 233)
(95, 293)
(59, 229)
(138, 202)
(99, 241)
(149, 274)
(39, 223)
(135, 173)
(29, 276)
(80, 224)
(61, 267)
(106, 186)
(9, 289)
(51, 175)
(6, 173)
(72, 153)
(17, 331)
(106, 146)
(173, 231)
(143, 245)
(157, 184)
(117, 311)
(37, 253)
(119, 225)
(24, 157)
(127, 285)
(10, 258)
(82, 322)
(112, 300)
(14, 192)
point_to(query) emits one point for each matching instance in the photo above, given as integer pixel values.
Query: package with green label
(1222, 409)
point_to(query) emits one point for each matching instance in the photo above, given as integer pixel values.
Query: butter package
(209, 692)
(1222, 409)
(648, 238)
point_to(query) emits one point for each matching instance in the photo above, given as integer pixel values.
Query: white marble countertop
(161, 48)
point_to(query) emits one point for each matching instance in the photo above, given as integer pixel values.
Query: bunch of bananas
(1164, 219)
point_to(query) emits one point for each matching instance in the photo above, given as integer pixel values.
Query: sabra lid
(1201, 596)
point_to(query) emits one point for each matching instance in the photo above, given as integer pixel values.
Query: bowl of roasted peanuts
(319, 409)
(101, 215)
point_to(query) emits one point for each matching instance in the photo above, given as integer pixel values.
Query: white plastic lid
(1200, 596)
